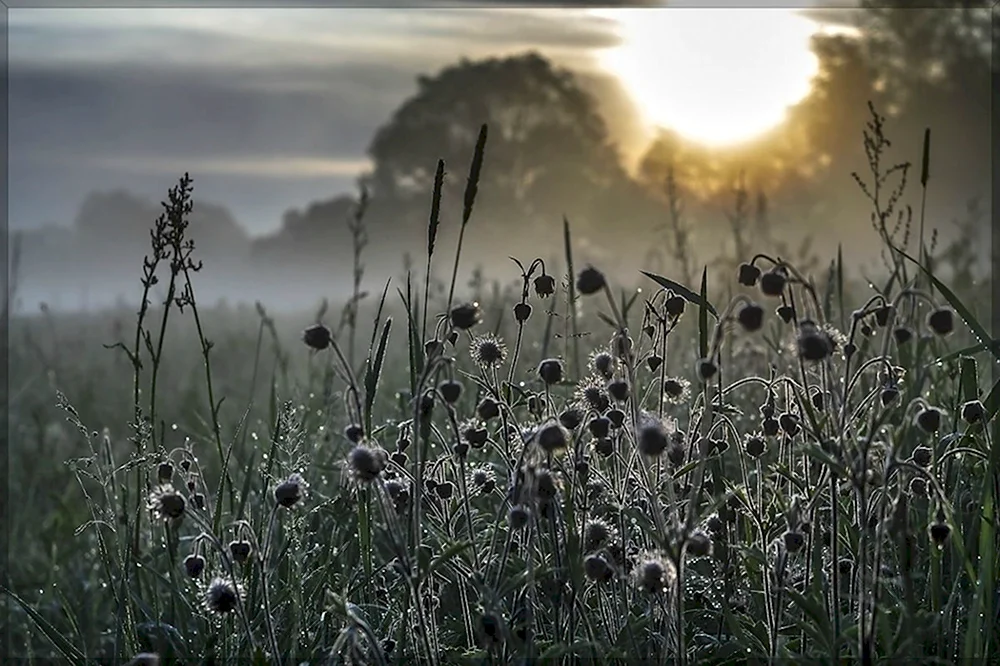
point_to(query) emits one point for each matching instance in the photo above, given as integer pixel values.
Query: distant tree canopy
(548, 152)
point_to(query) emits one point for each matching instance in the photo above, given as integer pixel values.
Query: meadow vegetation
(769, 461)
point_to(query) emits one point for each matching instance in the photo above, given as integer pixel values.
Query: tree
(548, 153)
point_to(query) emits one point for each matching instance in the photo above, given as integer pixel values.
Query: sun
(716, 76)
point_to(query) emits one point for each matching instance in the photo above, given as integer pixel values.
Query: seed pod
(789, 424)
(488, 409)
(617, 418)
(751, 317)
(654, 362)
(772, 283)
(571, 418)
(929, 419)
(922, 456)
(941, 321)
(973, 412)
(674, 306)
(770, 426)
(902, 335)
(317, 337)
(545, 285)
(464, 316)
(596, 568)
(551, 371)
(451, 390)
(794, 541)
(522, 312)
(194, 565)
(604, 446)
(590, 281)
(599, 426)
(882, 315)
(706, 369)
(889, 395)
(786, 312)
(748, 275)
(240, 551)
(618, 389)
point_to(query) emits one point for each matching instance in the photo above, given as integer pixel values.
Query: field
(766, 466)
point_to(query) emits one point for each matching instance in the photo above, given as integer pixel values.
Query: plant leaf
(683, 291)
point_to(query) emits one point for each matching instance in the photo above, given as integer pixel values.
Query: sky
(269, 109)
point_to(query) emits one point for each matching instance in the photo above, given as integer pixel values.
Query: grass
(766, 469)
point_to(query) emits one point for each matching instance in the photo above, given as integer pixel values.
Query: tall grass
(760, 468)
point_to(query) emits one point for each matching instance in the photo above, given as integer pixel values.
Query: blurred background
(669, 137)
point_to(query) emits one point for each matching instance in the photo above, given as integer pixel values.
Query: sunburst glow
(716, 76)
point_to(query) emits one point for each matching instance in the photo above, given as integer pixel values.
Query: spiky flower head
(487, 351)
(597, 533)
(653, 436)
(290, 492)
(167, 503)
(603, 363)
(592, 396)
(655, 573)
(552, 437)
(366, 463)
(221, 596)
(676, 390)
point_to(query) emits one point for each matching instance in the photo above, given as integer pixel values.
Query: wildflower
(240, 551)
(465, 316)
(617, 418)
(366, 463)
(545, 285)
(474, 434)
(483, 479)
(445, 490)
(789, 424)
(699, 544)
(317, 337)
(676, 390)
(164, 472)
(918, 486)
(603, 363)
(290, 492)
(592, 395)
(652, 437)
(354, 433)
(889, 395)
(596, 534)
(929, 419)
(596, 568)
(551, 371)
(522, 312)
(794, 541)
(590, 281)
(604, 446)
(655, 574)
(194, 565)
(599, 426)
(518, 516)
(748, 275)
(552, 437)
(618, 389)
(902, 335)
(571, 418)
(814, 344)
(882, 315)
(487, 351)
(221, 596)
(167, 503)
(939, 532)
(451, 390)
(706, 369)
(973, 412)
(488, 409)
(818, 399)
(786, 312)
(751, 317)
(674, 306)
(772, 283)
(755, 446)
(922, 456)
(941, 321)
(654, 362)
(770, 426)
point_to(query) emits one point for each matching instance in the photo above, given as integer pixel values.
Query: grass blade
(700, 300)
(374, 372)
